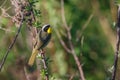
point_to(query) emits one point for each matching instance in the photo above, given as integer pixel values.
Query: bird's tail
(33, 56)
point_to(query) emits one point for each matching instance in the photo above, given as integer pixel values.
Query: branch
(62, 42)
(77, 61)
(34, 34)
(6, 30)
(117, 45)
(70, 42)
(42, 65)
(71, 77)
(84, 27)
(12, 44)
(4, 12)
(45, 65)
(3, 3)
(63, 15)
(26, 75)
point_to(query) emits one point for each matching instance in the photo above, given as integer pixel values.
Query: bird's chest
(43, 39)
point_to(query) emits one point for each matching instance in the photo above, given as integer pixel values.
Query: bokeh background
(93, 36)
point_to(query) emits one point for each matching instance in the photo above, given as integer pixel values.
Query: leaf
(117, 2)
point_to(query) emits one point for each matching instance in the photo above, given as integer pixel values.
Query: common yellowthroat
(43, 38)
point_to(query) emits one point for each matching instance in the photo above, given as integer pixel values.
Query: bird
(43, 37)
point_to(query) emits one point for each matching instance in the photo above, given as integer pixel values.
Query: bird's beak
(49, 30)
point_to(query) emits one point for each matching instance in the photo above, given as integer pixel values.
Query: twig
(3, 3)
(45, 65)
(26, 75)
(12, 44)
(117, 45)
(84, 27)
(71, 77)
(6, 30)
(62, 42)
(77, 62)
(32, 11)
(63, 16)
(70, 42)
(4, 12)
(42, 65)
(33, 17)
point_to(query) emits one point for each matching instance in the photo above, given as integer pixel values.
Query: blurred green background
(93, 35)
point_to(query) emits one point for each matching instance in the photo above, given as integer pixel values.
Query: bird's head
(46, 28)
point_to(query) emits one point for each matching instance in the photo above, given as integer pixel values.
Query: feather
(43, 39)
(33, 56)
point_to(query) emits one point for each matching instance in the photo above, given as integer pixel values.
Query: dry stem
(71, 50)
(117, 45)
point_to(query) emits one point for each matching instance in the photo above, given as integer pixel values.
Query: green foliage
(117, 2)
(3, 21)
(104, 5)
(36, 12)
(37, 24)
(93, 48)
(43, 73)
(32, 2)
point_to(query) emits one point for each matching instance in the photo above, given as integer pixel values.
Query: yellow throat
(49, 30)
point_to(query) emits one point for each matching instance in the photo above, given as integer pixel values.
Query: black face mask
(45, 28)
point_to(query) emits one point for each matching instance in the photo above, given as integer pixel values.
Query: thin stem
(34, 19)
(45, 65)
(71, 77)
(117, 45)
(62, 42)
(3, 3)
(25, 73)
(84, 27)
(70, 42)
(6, 30)
(34, 29)
(12, 44)
(63, 15)
(76, 59)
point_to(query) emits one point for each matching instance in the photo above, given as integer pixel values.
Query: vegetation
(83, 31)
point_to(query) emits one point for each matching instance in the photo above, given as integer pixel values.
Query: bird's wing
(44, 39)
(42, 36)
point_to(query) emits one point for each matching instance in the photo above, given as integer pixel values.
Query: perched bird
(43, 37)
